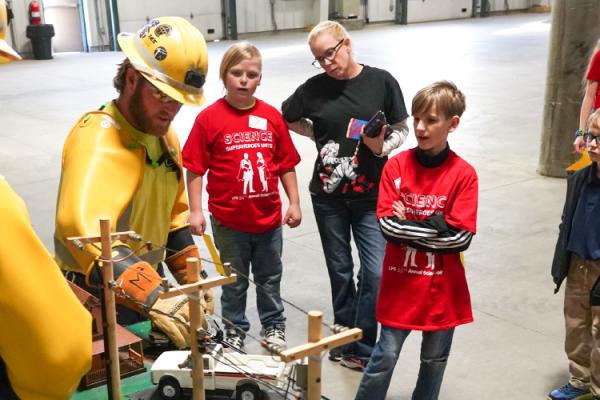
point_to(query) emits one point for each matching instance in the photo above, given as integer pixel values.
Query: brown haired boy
(427, 211)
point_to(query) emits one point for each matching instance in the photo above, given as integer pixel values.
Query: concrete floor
(514, 348)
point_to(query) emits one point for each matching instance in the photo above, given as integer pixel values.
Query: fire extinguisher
(35, 15)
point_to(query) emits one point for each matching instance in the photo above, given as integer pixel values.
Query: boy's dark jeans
(435, 350)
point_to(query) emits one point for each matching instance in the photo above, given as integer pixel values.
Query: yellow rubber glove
(208, 302)
(172, 316)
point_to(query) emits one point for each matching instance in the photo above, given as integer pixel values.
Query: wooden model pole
(193, 276)
(313, 349)
(193, 289)
(111, 315)
(315, 319)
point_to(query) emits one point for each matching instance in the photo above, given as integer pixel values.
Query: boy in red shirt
(427, 211)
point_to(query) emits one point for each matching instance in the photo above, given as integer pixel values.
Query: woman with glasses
(330, 108)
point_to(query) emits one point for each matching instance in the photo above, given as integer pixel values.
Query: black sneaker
(275, 335)
(234, 339)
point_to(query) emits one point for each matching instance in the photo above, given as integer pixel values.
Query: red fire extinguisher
(35, 15)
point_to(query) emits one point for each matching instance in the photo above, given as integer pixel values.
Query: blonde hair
(594, 120)
(235, 54)
(333, 28)
(447, 98)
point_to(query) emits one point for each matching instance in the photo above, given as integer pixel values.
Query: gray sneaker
(275, 335)
(234, 339)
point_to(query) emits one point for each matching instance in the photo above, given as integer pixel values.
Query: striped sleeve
(431, 234)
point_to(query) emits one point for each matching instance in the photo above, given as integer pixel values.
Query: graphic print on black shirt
(335, 171)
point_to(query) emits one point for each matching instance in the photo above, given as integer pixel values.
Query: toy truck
(224, 373)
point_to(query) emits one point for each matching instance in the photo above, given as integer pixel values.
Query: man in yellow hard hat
(45, 346)
(123, 162)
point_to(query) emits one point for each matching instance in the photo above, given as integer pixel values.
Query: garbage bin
(41, 40)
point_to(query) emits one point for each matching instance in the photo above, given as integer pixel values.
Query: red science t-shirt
(426, 290)
(594, 75)
(244, 151)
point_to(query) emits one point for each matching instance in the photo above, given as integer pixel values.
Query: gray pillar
(575, 30)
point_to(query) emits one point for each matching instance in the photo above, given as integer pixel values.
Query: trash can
(41, 40)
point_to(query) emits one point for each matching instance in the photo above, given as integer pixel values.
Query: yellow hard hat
(172, 54)
(6, 52)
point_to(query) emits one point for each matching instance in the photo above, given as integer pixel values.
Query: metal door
(65, 16)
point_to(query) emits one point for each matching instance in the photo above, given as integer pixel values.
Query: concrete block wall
(252, 15)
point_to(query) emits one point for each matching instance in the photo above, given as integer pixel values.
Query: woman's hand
(375, 144)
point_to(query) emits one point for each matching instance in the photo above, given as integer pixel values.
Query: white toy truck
(223, 373)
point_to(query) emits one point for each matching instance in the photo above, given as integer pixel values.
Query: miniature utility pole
(111, 349)
(313, 349)
(193, 289)
(196, 313)
(111, 314)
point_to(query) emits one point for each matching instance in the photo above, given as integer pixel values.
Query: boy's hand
(399, 210)
(293, 216)
(579, 144)
(197, 223)
(375, 144)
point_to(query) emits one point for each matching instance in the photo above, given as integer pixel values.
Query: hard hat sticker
(146, 28)
(163, 29)
(160, 53)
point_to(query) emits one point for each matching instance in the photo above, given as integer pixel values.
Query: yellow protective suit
(45, 332)
(109, 170)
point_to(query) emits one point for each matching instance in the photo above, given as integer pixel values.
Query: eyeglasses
(589, 138)
(329, 55)
(160, 95)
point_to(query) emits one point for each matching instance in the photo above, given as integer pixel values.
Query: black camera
(373, 127)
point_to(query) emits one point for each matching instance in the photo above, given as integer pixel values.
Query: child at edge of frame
(427, 211)
(577, 259)
(244, 146)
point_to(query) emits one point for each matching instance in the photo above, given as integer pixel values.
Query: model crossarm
(307, 349)
(192, 288)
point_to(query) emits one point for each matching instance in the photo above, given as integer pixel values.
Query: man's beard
(140, 116)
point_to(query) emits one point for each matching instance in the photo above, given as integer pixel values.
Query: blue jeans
(263, 252)
(353, 304)
(435, 349)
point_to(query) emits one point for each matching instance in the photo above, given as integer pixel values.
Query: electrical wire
(121, 292)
